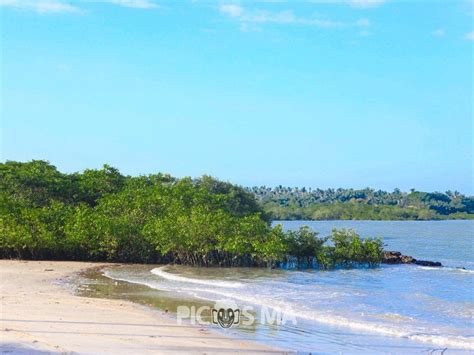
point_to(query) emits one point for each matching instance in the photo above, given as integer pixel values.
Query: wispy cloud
(136, 4)
(366, 3)
(469, 36)
(364, 25)
(363, 22)
(247, 17)
(232, 10)
(62, 6)
(353, 3)
(440, 32)
(41, 6)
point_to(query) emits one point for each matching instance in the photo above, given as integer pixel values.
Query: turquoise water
(393, 309)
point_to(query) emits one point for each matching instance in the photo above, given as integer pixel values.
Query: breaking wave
(168, 276)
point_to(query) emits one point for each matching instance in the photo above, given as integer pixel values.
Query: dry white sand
(40, 315)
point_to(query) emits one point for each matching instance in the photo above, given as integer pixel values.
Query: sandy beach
(41, 315)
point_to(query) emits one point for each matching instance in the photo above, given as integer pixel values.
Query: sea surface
(389, 309)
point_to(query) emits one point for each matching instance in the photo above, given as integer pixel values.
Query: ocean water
(390, 309)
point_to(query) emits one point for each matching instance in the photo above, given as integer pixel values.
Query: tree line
(365, 204)
(102, 215)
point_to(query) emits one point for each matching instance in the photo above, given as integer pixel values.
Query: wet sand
(40, 314)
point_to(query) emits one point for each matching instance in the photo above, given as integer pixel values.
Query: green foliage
(304, 243)
(32, 184)
(284, 203)
(346, 248)
(91, 185)
(103, 215)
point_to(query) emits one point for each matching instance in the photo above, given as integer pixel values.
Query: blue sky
(349, 93)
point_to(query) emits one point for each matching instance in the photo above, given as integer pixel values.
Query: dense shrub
(343, 248)
(103, 215)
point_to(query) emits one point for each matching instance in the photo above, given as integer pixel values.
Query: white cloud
(232, 10)
(366, 3)
(440, 32)
(62, 6)
(41, 6)
(281, 17)
(248, 27)
(363, 25)
(469, 36)
(356, 3)
(249, 17)
(136, 4)
(363, 22)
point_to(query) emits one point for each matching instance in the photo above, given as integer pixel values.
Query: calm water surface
(393, 309)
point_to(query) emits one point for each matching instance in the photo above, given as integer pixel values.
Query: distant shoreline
(470, 218)
(360, 211)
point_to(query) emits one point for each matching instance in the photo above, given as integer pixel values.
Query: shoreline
(40, 315)
(372, 220)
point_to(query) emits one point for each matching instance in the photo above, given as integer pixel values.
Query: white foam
(334, 320)
(465, 270)
(447, 341)
(106, 273)
(455, 269)
(371, 327)
(168, 276)
(311, 315)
